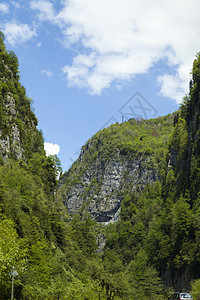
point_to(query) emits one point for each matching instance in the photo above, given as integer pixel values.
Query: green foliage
(15, 106)
(191, 101)
(158, 230)
(132, 137)
(12, 253)
(49, 254)
(2, 45)
(196, 289)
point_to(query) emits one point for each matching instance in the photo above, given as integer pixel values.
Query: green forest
(151, 249)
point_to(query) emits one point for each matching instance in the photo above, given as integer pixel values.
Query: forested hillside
(156, 235)
(130, 225)
(54, 258)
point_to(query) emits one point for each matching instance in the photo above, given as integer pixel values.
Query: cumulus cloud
(45, 8)
(4, 8)
(172, 86)
(51, 149)
(118, 40)
(48, 73)
(18, 33)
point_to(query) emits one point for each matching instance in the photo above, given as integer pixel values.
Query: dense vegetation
(152, 247)
(159, 228)
(156, 239)
(55, 258)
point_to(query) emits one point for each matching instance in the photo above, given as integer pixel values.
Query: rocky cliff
(101, 188)
(19, 136)
(124, 157)
(11, 143)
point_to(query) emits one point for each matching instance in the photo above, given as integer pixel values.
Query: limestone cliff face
(17, 121)
(100, 178)
(100, 189)
(10, 143)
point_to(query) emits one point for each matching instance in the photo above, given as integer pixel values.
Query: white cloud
(120, 39)
(18, 33)
(172, 86)
(47, 73)
(4, 8)
(39, 44)
(51, 149)
(45, 8)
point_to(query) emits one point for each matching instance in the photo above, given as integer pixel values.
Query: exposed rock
(10, 143)
(4, 146)
(100, 241)
(10, 105)
(100, 189)
(172, 159)
(16, 143)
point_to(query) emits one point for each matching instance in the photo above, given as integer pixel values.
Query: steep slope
(124, 157)
(160, 226)
(18, 134)
(142, 178)
(148, 174)
(49, 253)
(55, 256)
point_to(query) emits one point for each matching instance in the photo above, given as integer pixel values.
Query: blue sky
(87, 64)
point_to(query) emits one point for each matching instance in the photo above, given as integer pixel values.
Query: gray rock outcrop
(100, 189)
(10, 142)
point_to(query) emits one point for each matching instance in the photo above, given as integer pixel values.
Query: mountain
(122, 223)
(53, 257)
(142, 179)
(18, 134)
(119, 159)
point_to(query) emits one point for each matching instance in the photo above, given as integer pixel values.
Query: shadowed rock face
(100, 189)
(10, 144)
